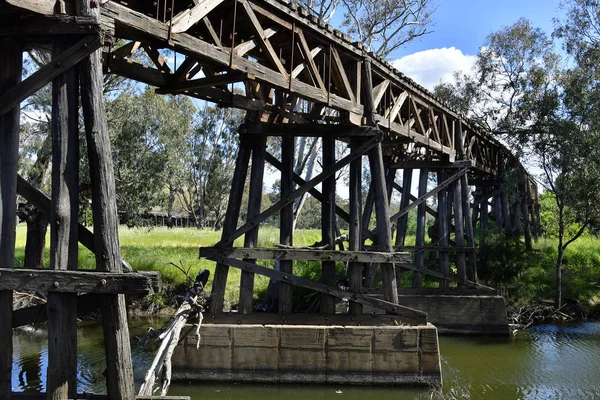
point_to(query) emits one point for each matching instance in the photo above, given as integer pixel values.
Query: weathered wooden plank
(263, 41)
(305, 254)
(418, 317)
(254, 203)
(216, 80)
(11, 68)
(231, 219)
(286, 220)
(384, 229)
(339, 76)
(379, 91)
(75, 281)
(468, 218)
(12, 97)
(85, 304)
(354, 240)
(431, 164)
(245, 47)
(328, 225)
(229, 238)
(49, 25)
(420, 234)
(187, 18)
(61, 380)
(119, 369)
(309, 130)
(443, 229)
(309, 61)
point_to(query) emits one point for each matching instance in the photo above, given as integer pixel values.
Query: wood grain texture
(10, 75)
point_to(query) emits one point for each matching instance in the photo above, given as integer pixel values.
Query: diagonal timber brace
(418, 317)
(69, 58)
(427, 195)
(368, 145)
(318, 195)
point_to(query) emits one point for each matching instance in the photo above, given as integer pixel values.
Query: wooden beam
(217, 80)
(12, 97)
(79, 281)
(48, 26)
(263, 41)
(339, 76)
(243, 48)
(187, 18)
(354, 240)
(300, 191)
(61, 379)
(119, 379)
(126, 50)
(415, 164)
(11, 69)
(259, 149)
(415, 316)
(308, 130)
(85, 304)
(309, 61)
(131, 69)
(286, 220)
(305, 255)
(157, 58)
(379, 91)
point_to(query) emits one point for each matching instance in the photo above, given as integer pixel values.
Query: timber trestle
(296, 77)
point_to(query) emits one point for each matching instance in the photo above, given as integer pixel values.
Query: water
(545, 362)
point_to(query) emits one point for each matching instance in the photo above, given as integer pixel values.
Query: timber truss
(297, 77)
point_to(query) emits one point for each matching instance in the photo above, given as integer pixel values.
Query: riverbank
(174, 253)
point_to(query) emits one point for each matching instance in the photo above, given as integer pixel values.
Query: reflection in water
(548, 361)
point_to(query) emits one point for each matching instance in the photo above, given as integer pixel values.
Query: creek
(546, 361)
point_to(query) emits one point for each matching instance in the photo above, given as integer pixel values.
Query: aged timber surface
(306, 255)
(75, 281)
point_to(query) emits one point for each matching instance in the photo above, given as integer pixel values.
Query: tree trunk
(559, 261)
(170, 207)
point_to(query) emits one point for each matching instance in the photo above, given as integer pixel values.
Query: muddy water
(547, 361)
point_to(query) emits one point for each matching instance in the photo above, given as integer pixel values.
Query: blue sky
(464, 24)
(461, 27)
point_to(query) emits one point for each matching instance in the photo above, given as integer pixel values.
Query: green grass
(154, 249)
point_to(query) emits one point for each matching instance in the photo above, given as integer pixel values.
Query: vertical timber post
(420, 238)
(106, 222)
(407, 174)
(11, 67)
(355, 268)
(62, 307)
(459, 220)
(483, 216)
(370, 268)
(327, 224)
(254, 203)
(384, 230)
(444, 228)
(230, 223)
(466, 205)
(286, 220)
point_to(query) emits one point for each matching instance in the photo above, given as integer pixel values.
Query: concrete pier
(358, 355)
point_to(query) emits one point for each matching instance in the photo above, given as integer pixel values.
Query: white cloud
(429, 67)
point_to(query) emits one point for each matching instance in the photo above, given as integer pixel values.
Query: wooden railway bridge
(295, 76)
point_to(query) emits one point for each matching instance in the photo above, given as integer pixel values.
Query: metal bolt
(103, 282)
(55, 284)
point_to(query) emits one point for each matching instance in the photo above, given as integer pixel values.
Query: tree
(209, 160)
(384, 26)
(547, 115)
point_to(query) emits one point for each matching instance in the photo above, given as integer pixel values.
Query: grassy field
(155, 249)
